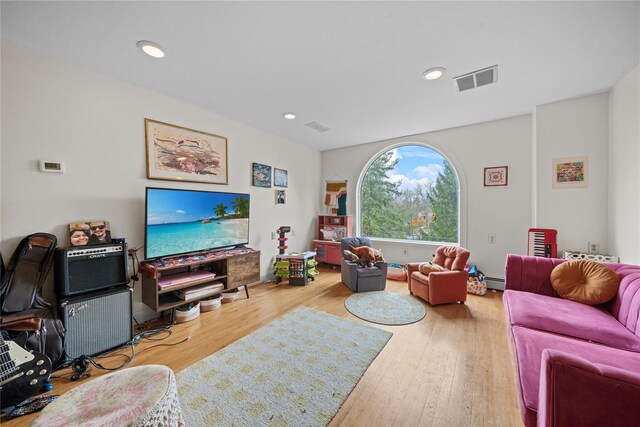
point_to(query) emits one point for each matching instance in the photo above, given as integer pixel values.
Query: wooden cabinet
(331, 229)
(243, 269)
(232, 268)
(327, 252)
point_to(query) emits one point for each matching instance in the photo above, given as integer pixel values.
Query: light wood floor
(452, 368)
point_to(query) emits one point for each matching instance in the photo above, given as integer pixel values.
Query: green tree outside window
(410, 193)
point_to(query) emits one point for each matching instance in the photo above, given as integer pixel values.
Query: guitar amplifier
(97, 322)
(90, 268)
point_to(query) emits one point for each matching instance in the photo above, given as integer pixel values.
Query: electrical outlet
(293, 232)
(594, 248)
(492, 238)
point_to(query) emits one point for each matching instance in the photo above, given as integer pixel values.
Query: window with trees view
(410, 193)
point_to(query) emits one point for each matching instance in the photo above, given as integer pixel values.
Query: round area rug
(385, 308)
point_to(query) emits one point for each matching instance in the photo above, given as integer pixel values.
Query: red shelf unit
(330, 229)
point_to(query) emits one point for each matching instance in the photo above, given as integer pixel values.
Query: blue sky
(167, 206)
(416, 164)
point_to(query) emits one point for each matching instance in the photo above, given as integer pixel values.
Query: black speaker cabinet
(90, 268)
(97, 322)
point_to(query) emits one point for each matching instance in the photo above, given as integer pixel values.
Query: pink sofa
(575, 364)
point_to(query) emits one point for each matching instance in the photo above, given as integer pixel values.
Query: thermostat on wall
(48, 166)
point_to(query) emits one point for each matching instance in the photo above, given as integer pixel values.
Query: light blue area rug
(296, 371)
(386, 308)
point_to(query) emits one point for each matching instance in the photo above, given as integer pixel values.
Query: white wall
(527, 144)
(504, 211)
(624, 170)
(576, 127)
(57, 111)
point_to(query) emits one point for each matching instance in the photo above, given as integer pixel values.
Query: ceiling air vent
(476, 78)
(317, 127)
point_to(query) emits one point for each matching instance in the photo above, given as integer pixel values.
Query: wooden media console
(161, 278)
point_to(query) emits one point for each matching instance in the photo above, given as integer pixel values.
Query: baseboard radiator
(494, 283)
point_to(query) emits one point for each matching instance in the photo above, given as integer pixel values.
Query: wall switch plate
(273, 235)
(594, 248)
(492, 238)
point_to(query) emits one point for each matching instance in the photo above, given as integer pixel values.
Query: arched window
(410, 192)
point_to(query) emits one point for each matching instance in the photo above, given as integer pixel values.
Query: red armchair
(442, 286)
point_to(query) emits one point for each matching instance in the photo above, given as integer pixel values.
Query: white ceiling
(354, 67)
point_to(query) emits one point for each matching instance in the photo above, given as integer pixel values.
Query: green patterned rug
(295, 371)
(385, 308)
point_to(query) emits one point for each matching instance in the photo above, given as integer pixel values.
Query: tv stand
(232, 267)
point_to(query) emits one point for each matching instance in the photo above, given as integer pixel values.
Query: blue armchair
(358, 278)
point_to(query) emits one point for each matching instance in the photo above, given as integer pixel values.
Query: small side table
(139, 396)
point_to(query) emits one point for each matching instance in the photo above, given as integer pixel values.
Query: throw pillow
(584, 281)
(429, 267)
(350, 256)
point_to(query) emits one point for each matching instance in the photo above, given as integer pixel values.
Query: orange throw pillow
(585, 281)
(429, 267)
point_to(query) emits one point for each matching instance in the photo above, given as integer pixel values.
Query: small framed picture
(280, 197)
(261, 175)
(570, 172)
(83, 233)
(280, 178)
(496, 176)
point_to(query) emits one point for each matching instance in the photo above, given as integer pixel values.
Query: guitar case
(26, 316)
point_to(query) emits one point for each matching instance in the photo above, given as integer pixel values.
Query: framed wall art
(280, 178)
(261, 175)
(570, 172)
(496, 176)
(280, 197)
(180, 154)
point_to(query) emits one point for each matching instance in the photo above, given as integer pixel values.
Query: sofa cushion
(423, 279)
(528, 345)
(585, 281)
(591, 323)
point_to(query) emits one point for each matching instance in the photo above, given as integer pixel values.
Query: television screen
(182, 221)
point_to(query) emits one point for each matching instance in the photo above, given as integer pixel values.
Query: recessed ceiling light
(289, 116)
(433, 73)
(151, 48)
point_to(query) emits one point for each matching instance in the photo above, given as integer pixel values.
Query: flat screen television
(185, 221)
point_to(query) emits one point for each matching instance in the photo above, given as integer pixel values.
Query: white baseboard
(145, 313)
